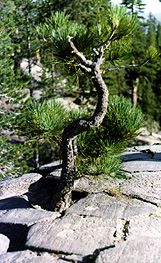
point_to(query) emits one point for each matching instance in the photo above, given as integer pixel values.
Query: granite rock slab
(142, 158)
(105, 206)
(17, 186)
(28, 256)
(143, 185)
(28, 216)
(139, 250)
(95, 222)
(73, 234)
(112, 220)
(142, 243)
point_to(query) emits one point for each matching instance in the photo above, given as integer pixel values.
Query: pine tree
(75, 47)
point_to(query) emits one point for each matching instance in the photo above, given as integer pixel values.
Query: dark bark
(62, 198)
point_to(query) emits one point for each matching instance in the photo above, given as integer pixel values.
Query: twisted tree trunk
(63, 197)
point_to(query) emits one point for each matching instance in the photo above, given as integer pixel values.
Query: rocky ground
(113, 221)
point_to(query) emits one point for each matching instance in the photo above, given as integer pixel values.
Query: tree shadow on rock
(17, 234)
(14, 202)
(41, 192)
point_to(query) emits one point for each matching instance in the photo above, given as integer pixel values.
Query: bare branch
(85, 70)
(79, 55)
(126, 66)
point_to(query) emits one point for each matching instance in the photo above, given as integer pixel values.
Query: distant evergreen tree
(135, 7)
(151, 35)
(159, 37)
(24, 36)
(12, 94)
(150, 90)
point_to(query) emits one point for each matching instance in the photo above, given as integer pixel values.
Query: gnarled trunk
(63, 197)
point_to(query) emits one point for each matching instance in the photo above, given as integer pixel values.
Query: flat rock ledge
(110, 221)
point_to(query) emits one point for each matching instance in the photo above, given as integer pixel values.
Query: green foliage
(13, 156)
(56, 31)
(135, 6)
(99, 149)
(102, 167)
(126, 23)
(122, 120)
(44, 120)
(89, 23)
(152, 53)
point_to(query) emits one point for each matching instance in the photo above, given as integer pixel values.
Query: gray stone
(17, 186)
(154, 148)
(145, 165)
(143, 185)
(92, 185)
(113, 220)
(73, 234)
(142, 158)
(143, 243)
(4, 244)
(29, 256)
(28, 216)
(139, 250)
(92, 223)
(148, 226)
(105, 206)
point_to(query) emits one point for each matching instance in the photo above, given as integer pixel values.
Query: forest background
(22, 39)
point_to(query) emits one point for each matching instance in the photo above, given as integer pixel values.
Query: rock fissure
(50, 251)
(133, 196)
(122, 230)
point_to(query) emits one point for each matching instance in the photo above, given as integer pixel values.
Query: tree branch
(85, 70)
(126, 66)
(79, 55)
(107, 41)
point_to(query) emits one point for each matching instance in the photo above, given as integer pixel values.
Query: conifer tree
(12, 94)
(136, 7)
(76, 47)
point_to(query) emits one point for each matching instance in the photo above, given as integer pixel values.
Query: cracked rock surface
(112, 221)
